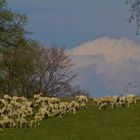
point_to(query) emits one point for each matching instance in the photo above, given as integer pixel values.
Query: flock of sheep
(116, 101)
(20, 112)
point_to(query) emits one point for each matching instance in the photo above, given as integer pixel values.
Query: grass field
(89, 124)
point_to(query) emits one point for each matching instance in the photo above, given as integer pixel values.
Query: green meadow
(87, 124)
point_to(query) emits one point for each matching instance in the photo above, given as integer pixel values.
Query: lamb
(103, 106)
(54, 112)
(15, 104)
(82, 98)
(36, 96)
(1, 130)
(63, 105)
(50, 106)
(22, 122)
(62, 112)
(74, 104)
(39, 117)
(56, 106)
(131, 99)
(15, 98)
(43, 104)
(7, 122)
(4, 102)
(34, 123)
(83, 105)
(53, 100)
(72, 110)
(23, 99)
(7, 97)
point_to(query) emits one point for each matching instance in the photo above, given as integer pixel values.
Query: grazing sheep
(34, 123)
(53, 100)
(22, 122)
(83, 105)
(103, 106)
(82, 98)
(7, 97)
(1, 130)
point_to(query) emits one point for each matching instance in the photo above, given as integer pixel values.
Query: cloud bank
(106, 65)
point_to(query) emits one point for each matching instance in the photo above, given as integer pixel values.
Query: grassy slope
(90, 124)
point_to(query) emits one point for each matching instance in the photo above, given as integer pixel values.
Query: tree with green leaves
(25, 66)
(12, 39)
(12, 32)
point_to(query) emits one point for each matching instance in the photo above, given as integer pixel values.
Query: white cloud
(108, 63)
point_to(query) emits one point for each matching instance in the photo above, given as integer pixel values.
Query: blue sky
(72, 22)
(103, 43)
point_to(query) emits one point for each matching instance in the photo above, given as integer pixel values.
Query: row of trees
(26, 67)
(28, 70)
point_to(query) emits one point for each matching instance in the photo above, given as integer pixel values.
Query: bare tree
(53, 71)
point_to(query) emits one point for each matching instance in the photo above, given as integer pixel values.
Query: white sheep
(22, 122)
(82, 98)
(103, 106)
(7, 97)
(34, 123)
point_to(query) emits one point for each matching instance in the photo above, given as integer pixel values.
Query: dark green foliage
(12, 39)
(12, 32)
